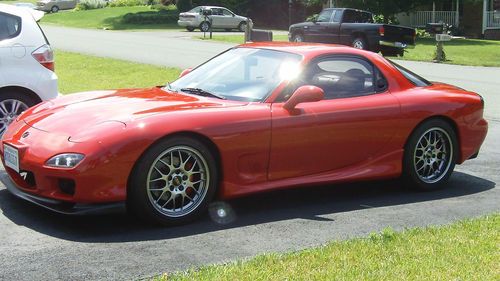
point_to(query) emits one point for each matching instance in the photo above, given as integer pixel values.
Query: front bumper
(398, 45)
(58, 206)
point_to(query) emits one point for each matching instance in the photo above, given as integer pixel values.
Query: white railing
(492, 19)
(421, 18)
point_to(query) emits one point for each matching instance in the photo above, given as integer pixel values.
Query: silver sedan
(220, 18)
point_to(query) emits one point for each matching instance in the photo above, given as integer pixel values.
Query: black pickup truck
(354, 28)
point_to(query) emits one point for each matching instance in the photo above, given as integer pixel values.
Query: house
(475, 19)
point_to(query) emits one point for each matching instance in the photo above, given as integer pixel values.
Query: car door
(217, 18)
(351, 126)
(230, 21)
(318, 31)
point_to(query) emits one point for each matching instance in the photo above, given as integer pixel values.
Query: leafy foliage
(184, 5)
(127, 3)
(152, 17)
(90, 4)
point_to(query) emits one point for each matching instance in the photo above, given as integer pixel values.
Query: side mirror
(304, 94)
(185, 72)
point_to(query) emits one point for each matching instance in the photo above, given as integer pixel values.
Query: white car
(26, 62)
(220, 18)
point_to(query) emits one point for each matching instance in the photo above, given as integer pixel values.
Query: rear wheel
(54, 9)
(189, 28)
(11, 105)
(173, 182)
(430, 155)
(205, 26)
(359, 43)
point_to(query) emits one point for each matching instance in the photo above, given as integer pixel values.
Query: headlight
(65, 160)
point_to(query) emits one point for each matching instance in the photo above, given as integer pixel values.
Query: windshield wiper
(201, 92)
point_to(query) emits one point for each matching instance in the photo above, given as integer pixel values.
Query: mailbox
(443, 37)
(258, 35)
(435, 28)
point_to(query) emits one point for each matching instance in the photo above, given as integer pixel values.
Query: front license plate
(11, 157)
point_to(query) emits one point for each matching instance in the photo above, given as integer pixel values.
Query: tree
(184, 5)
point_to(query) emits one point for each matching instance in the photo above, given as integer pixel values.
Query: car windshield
(243, 74)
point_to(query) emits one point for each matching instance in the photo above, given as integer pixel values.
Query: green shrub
(151, 17)
(127, 3)
(184, 5)
(170, 7)
(90, 4)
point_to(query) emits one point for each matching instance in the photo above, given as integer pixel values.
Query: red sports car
(255, 118)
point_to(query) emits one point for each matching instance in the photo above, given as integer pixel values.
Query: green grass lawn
(17, 1)
(467, 250)
(110, 18)
(458, 51)
(237, 39)
(78, 73)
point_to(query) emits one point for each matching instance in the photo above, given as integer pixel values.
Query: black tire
(14, 102)
(205, 26)
(242, 26)
(54, 9)
(190, 28)
(298, 37)
(153, 183)
(359, 43)
(422, 155)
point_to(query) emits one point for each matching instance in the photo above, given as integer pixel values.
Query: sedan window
(10, 26)
(227, 13)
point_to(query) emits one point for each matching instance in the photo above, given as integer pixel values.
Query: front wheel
(430, 155)
(173, 182)
(298, 37)
(54, 9)
(11, 105)
(242, 26)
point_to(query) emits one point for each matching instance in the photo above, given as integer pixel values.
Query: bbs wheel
(430, 155)
(11, 105)
(173, 182)
(359, 43)
(205, 26)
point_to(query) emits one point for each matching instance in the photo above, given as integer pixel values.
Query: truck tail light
(381, 31)
(45, 56)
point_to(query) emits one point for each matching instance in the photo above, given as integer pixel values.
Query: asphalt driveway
(40, 245)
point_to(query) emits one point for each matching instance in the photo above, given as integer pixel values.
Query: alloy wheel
(178, 181)
(9, 110)
(432, 155)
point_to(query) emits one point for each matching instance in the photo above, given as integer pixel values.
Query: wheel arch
(214, 149)
(446, 119)
(32, 95)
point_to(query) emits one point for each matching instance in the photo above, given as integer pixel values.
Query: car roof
(307, 50)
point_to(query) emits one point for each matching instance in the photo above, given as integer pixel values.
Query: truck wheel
(359, 43)
(392, 53)
(298, 37)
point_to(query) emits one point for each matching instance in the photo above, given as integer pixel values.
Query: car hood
(73, 114)
(299, 25)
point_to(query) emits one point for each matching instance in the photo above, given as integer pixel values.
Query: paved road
(39, 245)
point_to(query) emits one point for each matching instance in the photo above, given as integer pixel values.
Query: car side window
(227, 13)
(325, 16)
(344, 77)
(216, 12)
(10, 26)
(337, 16)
